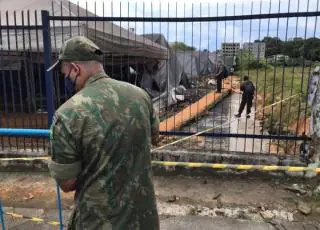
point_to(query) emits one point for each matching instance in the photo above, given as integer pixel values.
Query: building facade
(258, 49)
(230, 49)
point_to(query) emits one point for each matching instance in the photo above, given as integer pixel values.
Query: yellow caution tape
(24, 158)
(203, 165)
(34, 219)
(237, 167)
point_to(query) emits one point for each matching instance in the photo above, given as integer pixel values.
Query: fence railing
(172, 51)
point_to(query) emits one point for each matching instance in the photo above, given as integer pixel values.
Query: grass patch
(274, 84)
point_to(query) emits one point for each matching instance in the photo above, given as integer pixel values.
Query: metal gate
(171, 51)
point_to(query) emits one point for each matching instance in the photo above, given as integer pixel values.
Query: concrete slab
(221, 118)
(217, 223)
(166, 222)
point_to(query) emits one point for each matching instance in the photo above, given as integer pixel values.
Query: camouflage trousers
(315, 148)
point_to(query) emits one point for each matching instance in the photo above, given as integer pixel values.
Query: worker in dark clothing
(219, 75)
(248, 90)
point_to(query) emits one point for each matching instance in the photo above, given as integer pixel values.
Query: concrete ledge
(183, 156)
(193, 111)
(223, 157)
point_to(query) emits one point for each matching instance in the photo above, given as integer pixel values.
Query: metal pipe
(1, 216)
(25, 132)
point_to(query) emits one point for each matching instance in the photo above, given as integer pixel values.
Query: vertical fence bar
(167, 65)
(249, 65)
(231, 81)
(216, 60)
(241, 68)
(274, 85)
(233, 66)
(55, 35)
(32, 82)
(192, 57)
(4, 99)
(103, 31)
(19, 78)
(1, 216)
(27, 76)
(257, 80)
(221, 124)
(47, 63)
(160, 25)
(40, 79)
(293, 70)
(128, 56)
(302, 72)
(78, 14)
(11, 81)
(70, 24)
(303, 81)
(264, 88)
(49, 86)
(281, 127)
(137, 65)
(199, 95)
(209, 70)
(175, 64)
(112, 55)
(121, 55)
(95, 22)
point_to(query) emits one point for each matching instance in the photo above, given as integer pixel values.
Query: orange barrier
(196, 109)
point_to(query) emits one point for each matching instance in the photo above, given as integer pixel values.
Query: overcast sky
(209, 35)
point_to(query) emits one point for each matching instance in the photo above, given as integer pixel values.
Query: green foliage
(275, 84)
(295, 48)
(246, 60)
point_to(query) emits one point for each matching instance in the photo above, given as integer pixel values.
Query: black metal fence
(172, 51)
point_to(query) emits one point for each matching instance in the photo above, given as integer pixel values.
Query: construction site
(215, 166)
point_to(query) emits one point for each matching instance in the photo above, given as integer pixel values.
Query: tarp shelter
(162, 78)
(110, 37)
(21, 51)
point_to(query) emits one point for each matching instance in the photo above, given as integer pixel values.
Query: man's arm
(242, 87)
(65, 164)
(154, 120)
(220, 71)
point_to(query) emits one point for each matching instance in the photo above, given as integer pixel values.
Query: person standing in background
(248, 90)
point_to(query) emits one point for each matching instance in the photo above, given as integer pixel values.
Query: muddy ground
(239, 196)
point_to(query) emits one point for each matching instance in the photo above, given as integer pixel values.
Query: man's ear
(75, 67)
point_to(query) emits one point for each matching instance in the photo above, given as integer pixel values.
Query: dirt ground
(238, 196)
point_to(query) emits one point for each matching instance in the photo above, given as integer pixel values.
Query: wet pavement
(221, 118)
(188, 222)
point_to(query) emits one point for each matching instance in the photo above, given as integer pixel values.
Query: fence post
(47, 63)
(49, 86)
(1, 216)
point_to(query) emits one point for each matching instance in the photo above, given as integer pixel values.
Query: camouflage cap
(78, 48)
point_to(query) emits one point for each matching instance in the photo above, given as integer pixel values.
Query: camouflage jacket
(102, 137)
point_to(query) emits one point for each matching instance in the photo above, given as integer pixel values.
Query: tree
(182, 46)
(296, 48)
(246, 60)
(311, 49)
(273, 45)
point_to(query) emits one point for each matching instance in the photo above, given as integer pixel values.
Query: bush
(245, 61)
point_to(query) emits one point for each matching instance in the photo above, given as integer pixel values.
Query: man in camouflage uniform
(314, 101)
(100, 144)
